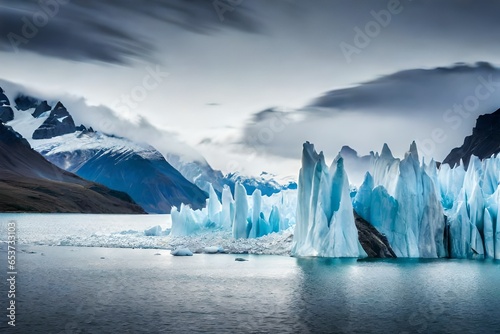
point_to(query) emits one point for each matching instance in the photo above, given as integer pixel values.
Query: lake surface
(66, 289)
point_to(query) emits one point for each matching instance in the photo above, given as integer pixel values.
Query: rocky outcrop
(6, 112)
(25, 102)
(29, 183)
(41, 108)
(58, 123)
(483, 143)
(373, 242)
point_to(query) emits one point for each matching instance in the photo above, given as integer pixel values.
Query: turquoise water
(101, 290)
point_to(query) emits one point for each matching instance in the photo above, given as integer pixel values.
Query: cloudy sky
(245, 82)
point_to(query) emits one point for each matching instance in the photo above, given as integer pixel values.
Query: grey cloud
(422, 91)
(397, 109)
(106, 120)
(113, 31)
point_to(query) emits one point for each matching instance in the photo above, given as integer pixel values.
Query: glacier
(402, 202)
(245, 216)
(325, 224)
(425, 210)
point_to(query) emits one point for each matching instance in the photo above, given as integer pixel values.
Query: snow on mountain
(138, 169)
(190, 163)
(119, 163)
(29, 183)
(198, 171)
(267, 183)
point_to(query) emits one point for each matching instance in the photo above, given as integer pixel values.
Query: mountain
(202, 174)
(29, 183)
(118, 163)
(483, 143)
(137, 169)
(265, 182)
(58, 123)
(6, 112)
(198, 171)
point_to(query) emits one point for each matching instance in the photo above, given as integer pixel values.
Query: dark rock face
(24, 102)
(41, 108)
(373, 242)
(10, 137)
(59, 123)
(81, 128)
(29, 183)
(483, 143)
(6, 112)
(3, 98)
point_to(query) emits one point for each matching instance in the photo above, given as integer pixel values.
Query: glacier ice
(181, 252)
(423, 209)
(154, 231)
(325, 222)
(240, 212)
(245, 216)
(403, 204)
(471, 199)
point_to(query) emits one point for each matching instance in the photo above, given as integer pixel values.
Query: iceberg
(246, 217)
(401, 200)
(325, 224)
(424, 210)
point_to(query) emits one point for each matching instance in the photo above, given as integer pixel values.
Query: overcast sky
(246, 82)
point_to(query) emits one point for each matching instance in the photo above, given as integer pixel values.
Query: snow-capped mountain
(266, 183)
(6, 112)
(198, 171)
(29, 183)
(32, 112)
(119, 163)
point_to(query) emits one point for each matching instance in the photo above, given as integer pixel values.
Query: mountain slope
(29, 183)
(137, 169)
(118, 163)
(483, 143)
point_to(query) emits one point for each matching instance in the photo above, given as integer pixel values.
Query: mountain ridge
(29, 183)
(483, 142)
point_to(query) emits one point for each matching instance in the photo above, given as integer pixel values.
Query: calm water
(74, 290)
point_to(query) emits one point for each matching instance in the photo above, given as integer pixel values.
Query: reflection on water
(99, 290)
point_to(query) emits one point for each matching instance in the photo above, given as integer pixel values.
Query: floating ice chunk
(213, 250)
(181, 252)
(154, 231)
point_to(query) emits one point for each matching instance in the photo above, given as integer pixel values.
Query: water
(108, 290)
